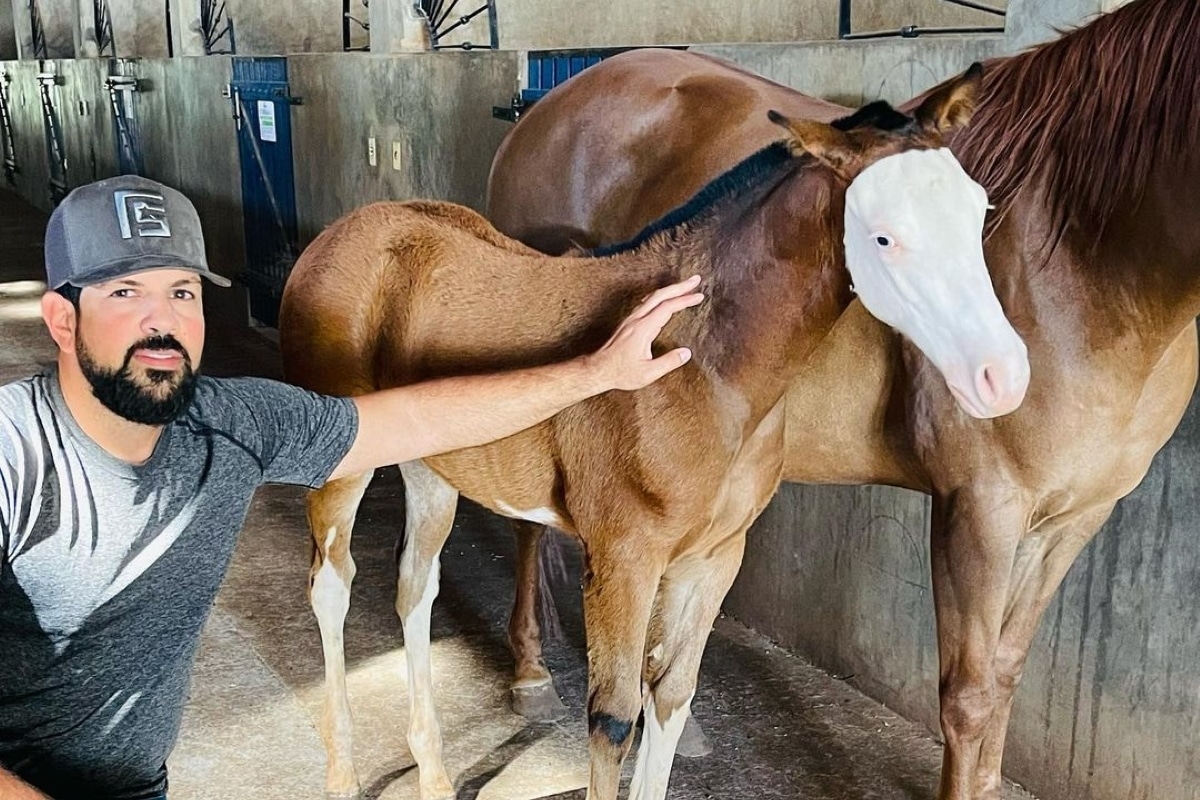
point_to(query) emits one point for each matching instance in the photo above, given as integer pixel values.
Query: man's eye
(184, 294)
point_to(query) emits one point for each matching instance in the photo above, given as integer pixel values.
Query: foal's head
(914, 240)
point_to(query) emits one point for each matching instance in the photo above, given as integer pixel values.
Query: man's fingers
(665, 293)
(656, 318)
(667, 362)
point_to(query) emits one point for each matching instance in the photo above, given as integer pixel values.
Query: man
(125, 478)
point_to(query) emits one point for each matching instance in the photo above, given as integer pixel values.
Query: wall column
(397, 26)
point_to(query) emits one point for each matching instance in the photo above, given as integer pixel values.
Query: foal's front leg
(689, 599)
(430, 504)
(620, 581)
(331, 512)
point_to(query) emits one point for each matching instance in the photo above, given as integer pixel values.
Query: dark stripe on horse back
(745, 174)
(750, 171)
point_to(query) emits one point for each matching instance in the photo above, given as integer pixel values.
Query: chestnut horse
(660, 484)
(1089, 147)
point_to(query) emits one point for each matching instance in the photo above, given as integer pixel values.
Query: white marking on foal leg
(330, 603)
(424, 731)
(430, 503)
(543, 516)
(657, 751)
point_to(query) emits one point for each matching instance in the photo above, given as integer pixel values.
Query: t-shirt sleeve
(301, 436)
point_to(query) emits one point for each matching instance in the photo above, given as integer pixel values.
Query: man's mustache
(167, 342)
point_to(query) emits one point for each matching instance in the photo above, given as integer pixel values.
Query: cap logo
(141, 213)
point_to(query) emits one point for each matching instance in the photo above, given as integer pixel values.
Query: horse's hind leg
(533, 694)
(429, 507)
(689, 599)
(331, 511)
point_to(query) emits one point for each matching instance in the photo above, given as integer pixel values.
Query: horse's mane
(749, 172)
(735, 180)
(1090, 114)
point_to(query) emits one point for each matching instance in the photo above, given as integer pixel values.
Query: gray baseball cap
(120, 226)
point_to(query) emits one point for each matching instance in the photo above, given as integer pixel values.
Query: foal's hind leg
(689, 599)
(331, 511)
(429, 507)
(533, 694)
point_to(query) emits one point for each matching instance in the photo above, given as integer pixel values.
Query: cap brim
(145, 264)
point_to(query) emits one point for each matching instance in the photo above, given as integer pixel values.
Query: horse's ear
(827, 144)
(952, 105)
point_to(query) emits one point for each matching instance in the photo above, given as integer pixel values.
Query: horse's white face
(914, 247)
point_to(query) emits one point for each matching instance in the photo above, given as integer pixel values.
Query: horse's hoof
(692, 742)
(538, 703)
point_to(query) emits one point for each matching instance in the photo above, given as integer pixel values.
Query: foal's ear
(952, 105)
(827, 144)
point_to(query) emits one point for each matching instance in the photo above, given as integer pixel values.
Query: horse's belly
(514, 477)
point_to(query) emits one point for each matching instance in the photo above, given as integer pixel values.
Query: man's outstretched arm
(13, 788)
(424, 419)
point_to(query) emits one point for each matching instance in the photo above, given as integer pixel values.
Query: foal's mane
(1091, 113)
(751, 171)
(738, 178)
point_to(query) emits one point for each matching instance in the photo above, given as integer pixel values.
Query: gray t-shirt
(108, 571)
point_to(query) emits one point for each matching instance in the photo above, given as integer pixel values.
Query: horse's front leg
(974, 539)
(1042, 562)
(689, 599)
(430, 504)
(533, 694)
(621, 579)
(331, 511)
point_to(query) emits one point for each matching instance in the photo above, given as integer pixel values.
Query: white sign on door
(266, 121)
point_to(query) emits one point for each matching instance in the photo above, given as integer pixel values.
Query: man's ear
(61, 320)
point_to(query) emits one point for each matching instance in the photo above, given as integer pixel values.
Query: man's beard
(159, 397)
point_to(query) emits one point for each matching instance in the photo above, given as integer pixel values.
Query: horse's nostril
(987, 384)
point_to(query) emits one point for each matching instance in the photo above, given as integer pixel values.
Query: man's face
(139, 341)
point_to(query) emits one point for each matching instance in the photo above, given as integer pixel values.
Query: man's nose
(160, 317)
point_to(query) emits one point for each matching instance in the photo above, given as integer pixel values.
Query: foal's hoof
(355, 795)
(692, 742)
(539, 703)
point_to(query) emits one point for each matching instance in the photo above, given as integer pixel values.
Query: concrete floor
(780, 727)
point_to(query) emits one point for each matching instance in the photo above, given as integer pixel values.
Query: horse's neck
(778, 284)
(1152, 247)
(1122, 292)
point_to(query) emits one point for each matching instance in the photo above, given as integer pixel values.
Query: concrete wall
(536, 24)
(435, 107)
(8, 34)
(268, 27)
(33, 176)
(59, 26)
(855, 72)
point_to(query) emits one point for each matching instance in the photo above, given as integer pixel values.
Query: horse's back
(628, 140)
(395, 292)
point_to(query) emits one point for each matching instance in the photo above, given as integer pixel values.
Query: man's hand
(625, 361)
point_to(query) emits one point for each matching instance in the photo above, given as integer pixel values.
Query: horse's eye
(883, 241)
